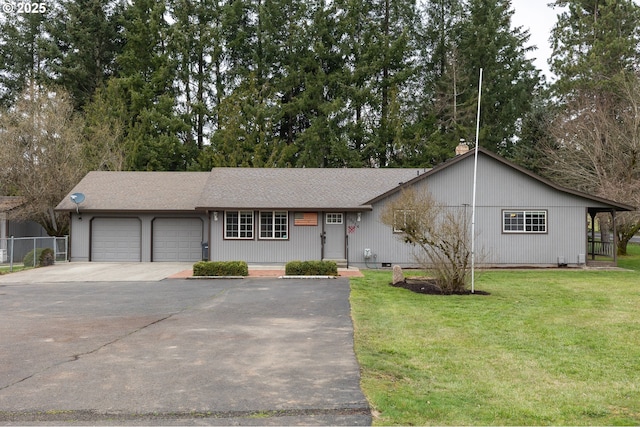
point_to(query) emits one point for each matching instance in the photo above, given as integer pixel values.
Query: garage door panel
(177, 239)
(115, 239)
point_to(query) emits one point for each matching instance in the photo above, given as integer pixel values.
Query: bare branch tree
(439, 232)
(42, 155)
(597, 148)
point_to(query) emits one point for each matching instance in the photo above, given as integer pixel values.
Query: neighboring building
(9, 227)
(271, 216)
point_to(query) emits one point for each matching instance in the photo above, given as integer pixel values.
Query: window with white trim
(515, 221)
(401, 218)
(274, 225)
(238, 225)
(333, 218)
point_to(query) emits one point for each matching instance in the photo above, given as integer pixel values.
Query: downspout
(69, 242)
(615, 238)
(208, 235)
(323, 236)
(346, 239)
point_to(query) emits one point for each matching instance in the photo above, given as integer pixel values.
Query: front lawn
(546, 347)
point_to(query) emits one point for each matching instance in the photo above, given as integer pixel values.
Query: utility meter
(367, 253)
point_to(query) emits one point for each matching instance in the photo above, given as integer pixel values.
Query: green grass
(4, 269)
(632, 259)
(546, 347)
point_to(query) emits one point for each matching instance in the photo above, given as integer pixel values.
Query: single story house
(272, 216)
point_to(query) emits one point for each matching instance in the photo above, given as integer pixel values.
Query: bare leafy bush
(440, 233)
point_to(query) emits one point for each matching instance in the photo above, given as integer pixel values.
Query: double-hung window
(525, 221)
(238, 225)
(274, 224)
(403, 218)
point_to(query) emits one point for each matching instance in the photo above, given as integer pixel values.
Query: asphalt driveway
(179, 352)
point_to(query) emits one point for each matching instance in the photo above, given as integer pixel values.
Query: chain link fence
(14, 251)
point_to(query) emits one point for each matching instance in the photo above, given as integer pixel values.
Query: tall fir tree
(594, 41)
(488, 41)
(197, 47)
(25, 59)
(443, 81)
(86, 37)
(379, 45)
(322, 143)
(147, 77)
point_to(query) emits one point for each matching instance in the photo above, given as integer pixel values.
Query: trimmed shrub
(293, 268)
(44, 257)
(220, 268)
(311, 268)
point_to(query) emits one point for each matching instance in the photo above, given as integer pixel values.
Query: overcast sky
(539, 18)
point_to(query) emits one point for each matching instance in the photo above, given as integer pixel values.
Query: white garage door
(115, 239)
(177, 239)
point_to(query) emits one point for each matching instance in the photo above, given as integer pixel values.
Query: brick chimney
(462, 148)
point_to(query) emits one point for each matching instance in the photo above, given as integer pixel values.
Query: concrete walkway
(130, 271)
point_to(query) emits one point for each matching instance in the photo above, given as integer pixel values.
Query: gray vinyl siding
(25, 229)
(370, 233)
(303, 244)
(80, 232)
(498, 187)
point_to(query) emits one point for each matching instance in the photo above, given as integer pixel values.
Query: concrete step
(342, 263)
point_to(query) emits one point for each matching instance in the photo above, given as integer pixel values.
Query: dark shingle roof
(138, 191)
(298, 188)
(235, 188)
(8, 203)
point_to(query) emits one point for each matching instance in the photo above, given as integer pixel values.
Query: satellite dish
(77, 198)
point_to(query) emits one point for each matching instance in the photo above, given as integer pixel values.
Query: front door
(334, 235)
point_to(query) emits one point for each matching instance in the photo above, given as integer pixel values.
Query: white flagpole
(473, 206)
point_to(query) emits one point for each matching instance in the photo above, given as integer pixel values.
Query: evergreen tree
(86, 37)
(352, 24)
(248, 111)
(243, 137)
(379, 45)
(594, 41)
(24, 57)
(487, 41)
(196, 45)
(105, 120)
(147, 77)
(443, 80)
(323, 143)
